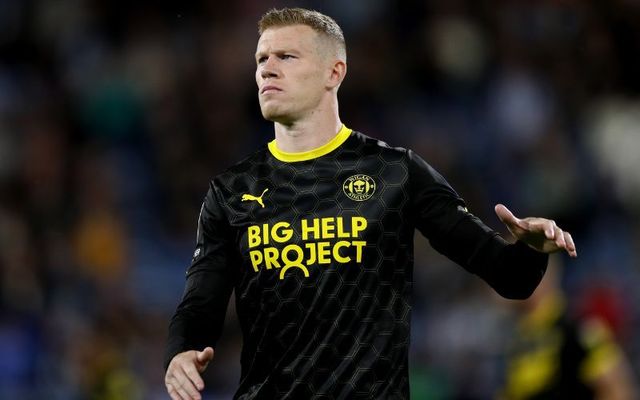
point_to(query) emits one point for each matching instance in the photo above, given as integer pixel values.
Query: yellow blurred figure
(100, 246)
(554, 357)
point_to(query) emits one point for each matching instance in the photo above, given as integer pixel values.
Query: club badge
(359, 187)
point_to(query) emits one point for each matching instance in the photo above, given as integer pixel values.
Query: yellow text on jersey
(318, 244)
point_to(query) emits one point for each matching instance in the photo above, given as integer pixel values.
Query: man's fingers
(194, 376)
(172, 392)
(181, 383)
(507, 218)
(571, 246)
(183, 380)
(559, 237)
(551, 230)
(539, 233)
(504, 214)
(186, 384)
(177, 393)
(545, 226)
(186, 396)
(205, 356)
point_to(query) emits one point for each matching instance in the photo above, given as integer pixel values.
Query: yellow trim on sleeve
(326, 148)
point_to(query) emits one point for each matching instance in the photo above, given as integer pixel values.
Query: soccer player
(314, 233)
(554, 355)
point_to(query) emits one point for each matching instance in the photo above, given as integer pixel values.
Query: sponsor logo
(322, 241)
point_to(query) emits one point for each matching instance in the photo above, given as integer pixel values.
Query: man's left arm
(513, 270)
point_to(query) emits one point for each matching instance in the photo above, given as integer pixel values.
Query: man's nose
(269, 69)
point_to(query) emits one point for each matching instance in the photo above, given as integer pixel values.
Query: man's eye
(261, 60)
(286, 56)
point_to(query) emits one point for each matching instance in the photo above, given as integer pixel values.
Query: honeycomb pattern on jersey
(343, 332)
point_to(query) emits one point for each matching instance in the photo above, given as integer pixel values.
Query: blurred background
(115, 114)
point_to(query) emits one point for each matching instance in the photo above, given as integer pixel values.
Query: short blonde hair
(321, 23)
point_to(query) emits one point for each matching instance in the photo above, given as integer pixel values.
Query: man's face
(291, 72)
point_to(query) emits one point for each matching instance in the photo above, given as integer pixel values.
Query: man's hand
(183, 380)
(540, 234)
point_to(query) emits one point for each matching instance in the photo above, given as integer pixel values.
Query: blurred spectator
(613, 137)
(553, 355)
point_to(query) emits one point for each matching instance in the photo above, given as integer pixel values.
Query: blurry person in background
(314, 232)
(555, 356)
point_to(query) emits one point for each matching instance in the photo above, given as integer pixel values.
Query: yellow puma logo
(250, 197)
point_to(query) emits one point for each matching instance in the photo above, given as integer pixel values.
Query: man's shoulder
(243, 169)
(368, 144)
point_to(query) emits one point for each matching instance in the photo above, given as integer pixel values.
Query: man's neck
(307, 134)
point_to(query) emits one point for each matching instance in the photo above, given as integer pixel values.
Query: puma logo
(250, 197)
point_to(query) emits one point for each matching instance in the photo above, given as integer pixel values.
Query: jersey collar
(326, 148)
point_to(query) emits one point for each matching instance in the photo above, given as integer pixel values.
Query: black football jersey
(318, 247)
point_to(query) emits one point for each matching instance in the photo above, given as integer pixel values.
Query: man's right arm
(198, 320)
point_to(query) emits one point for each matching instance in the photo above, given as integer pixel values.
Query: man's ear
(338, 72)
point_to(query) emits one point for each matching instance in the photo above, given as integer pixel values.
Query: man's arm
(197, 323)
(513, 270)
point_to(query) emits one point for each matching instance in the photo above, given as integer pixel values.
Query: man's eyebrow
(277, 51)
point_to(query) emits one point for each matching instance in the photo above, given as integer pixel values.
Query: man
(554, 355)
(315, 234)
